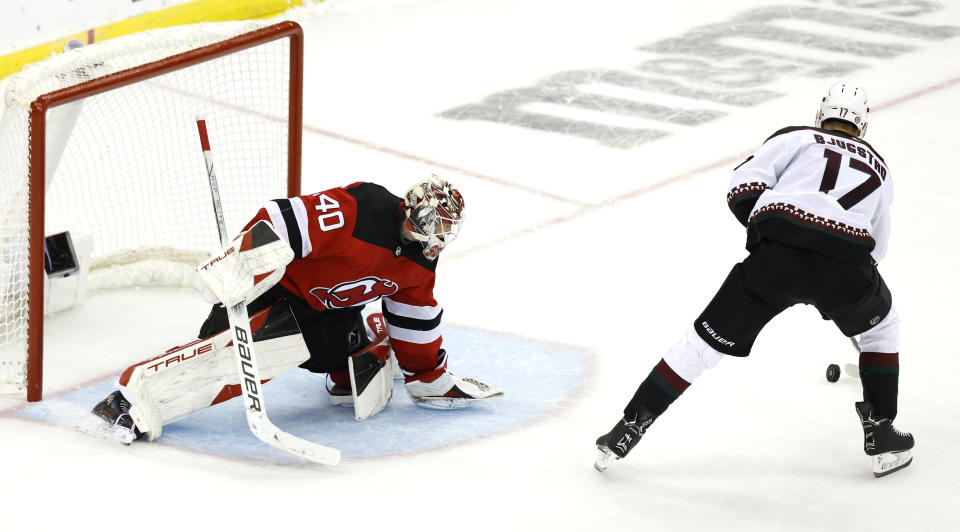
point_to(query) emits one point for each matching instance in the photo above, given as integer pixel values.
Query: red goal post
(100, 141)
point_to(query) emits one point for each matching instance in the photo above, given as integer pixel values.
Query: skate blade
(443, 403)
(604, 459)
(886, 463)
(100, 428)
(452, 403)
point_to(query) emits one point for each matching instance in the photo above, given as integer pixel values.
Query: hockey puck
(833, 373)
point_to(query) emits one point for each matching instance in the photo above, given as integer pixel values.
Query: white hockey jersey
(815, 189)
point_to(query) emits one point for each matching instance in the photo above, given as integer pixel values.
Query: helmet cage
(434, 214)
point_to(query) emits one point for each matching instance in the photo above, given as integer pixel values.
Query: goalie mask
(845, 102)
(433, 214)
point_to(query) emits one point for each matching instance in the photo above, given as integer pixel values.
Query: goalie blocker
(248, 267)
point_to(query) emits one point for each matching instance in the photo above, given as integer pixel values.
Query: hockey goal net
(101, 141)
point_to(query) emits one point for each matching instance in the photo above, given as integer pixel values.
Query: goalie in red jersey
(307, 266)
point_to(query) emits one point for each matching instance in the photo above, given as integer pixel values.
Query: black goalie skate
(615, 444)
(115, 411)
(887, 447)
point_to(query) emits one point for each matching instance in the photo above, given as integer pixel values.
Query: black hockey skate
(887, 447)
(115, 410)
(615, 444)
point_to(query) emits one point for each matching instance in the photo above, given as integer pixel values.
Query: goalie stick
(247, 368)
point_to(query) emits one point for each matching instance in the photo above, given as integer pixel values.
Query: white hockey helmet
(434, 213)
(845, 102)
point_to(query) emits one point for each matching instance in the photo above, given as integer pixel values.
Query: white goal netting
(123, 167)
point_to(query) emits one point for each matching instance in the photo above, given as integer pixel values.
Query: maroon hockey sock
(341, 378)
(879, 374)
(658, 390)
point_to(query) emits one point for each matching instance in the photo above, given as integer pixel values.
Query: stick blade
(268, 433)
(852, 370)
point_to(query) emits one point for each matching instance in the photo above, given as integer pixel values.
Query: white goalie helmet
(846, 102)
(434, 213)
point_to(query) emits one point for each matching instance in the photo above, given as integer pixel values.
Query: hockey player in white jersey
(815, 202)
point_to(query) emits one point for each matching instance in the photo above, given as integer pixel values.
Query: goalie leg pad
(371, 380)
(377, 330)
(187, 379)
(370, 373)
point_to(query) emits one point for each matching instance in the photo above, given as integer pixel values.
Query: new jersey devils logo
(355, 293)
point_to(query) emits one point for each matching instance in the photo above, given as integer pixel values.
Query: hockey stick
(247, 367)
(853, 370)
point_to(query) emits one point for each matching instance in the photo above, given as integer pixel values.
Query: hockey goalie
(306, 267)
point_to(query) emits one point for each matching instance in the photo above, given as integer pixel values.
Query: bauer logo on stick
(249, 376)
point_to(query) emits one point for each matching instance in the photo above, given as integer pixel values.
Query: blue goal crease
(536, 378)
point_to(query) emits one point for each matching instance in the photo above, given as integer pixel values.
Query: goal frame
(37, 131)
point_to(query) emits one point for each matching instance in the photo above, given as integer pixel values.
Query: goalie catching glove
(248, 267)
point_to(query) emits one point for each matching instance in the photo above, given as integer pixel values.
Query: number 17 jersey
(815, 189)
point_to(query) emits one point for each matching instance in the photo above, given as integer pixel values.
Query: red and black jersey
(348, 253)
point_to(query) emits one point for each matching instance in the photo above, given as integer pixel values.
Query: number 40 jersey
(816, 189)
(348, 252)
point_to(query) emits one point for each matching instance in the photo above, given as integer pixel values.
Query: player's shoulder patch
(370, 193)
(377, 214)
(378, 221)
